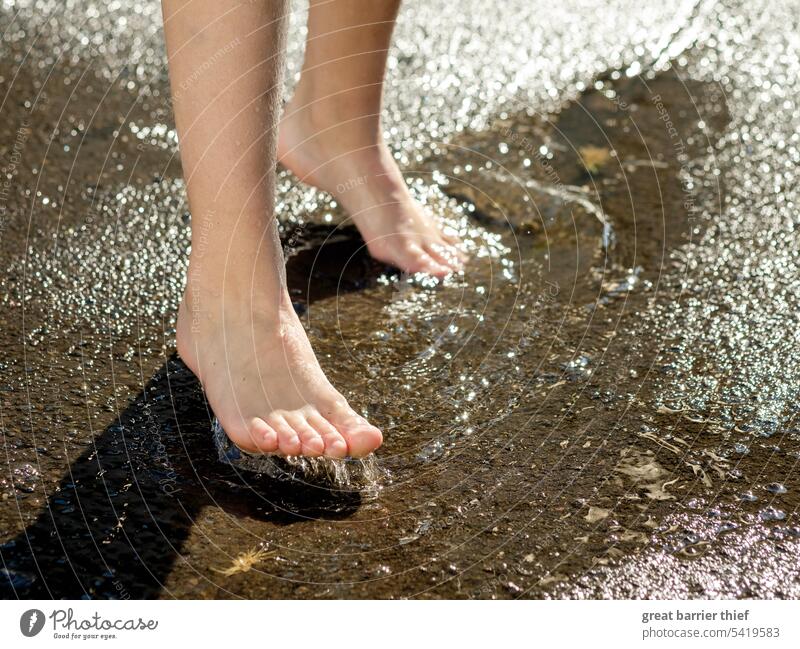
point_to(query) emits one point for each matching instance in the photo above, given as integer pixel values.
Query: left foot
(358, 170)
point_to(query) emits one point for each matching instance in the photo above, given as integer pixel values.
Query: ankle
(213, 288)
(344, 120)
(208, 310)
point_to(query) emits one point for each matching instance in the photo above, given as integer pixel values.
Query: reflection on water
(602, 405)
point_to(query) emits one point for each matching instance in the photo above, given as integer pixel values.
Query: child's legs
(226, 70)
(331, 135)
(341, 85)
(236, 328)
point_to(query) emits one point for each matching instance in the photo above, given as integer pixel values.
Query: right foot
(348, 161)
(262, 379)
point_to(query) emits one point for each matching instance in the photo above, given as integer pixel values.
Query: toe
(362, 438)
(407, 256)
(454, 246)
(417, 260)
(335, 444)
(252, 435)
(444, 255)
(288, 439)
(263, 436)
(456, 250)
(449, 235)
(311, 443)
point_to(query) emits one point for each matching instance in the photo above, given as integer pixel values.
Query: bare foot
(358, 170)
(261, 376)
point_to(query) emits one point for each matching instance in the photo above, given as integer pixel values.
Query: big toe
(363, 439)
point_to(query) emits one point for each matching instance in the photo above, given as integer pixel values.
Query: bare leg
(331, 136)
(237, 330)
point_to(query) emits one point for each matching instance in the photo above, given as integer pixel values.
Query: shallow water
(603, 405)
